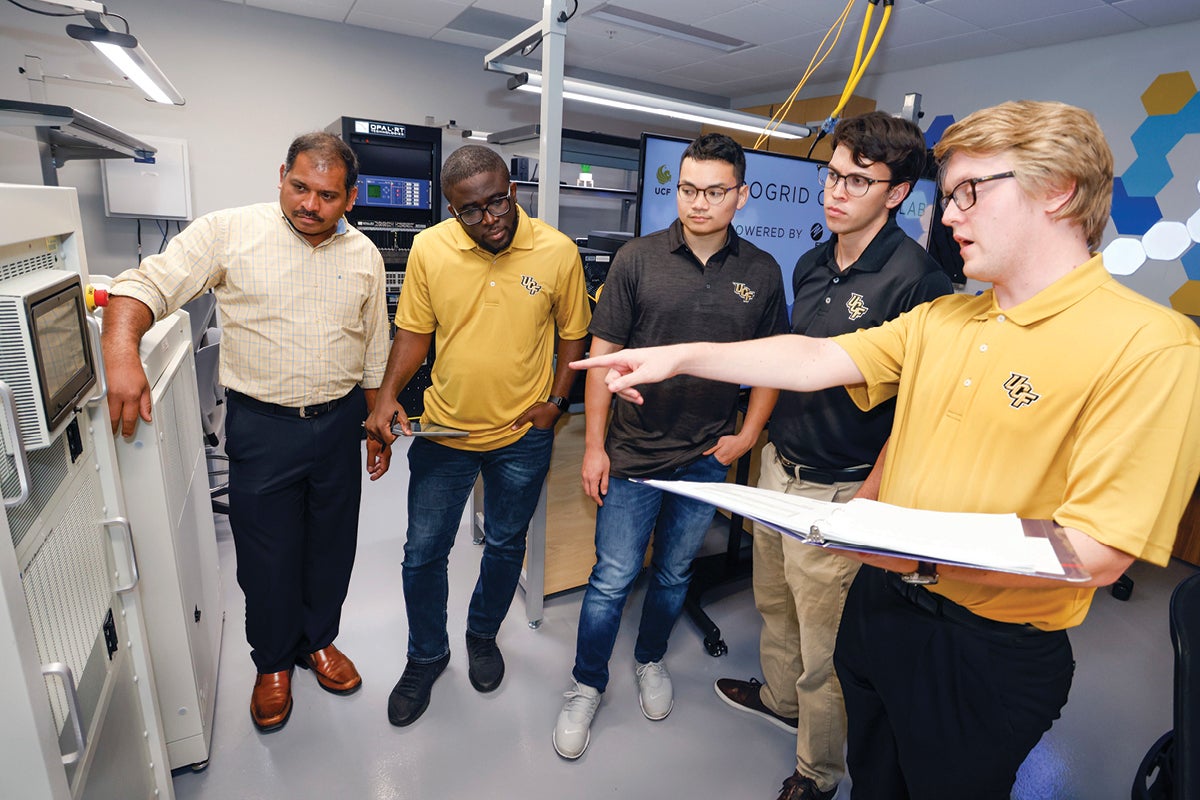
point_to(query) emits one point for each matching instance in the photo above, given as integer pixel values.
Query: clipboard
(998, 542)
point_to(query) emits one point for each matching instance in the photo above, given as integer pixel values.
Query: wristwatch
(559, 401)
(926, 574)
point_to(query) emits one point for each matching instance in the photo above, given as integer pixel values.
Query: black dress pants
(941, 704)
(294, 491)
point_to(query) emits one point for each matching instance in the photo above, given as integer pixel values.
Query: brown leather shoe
(271, 701)
(335, 672)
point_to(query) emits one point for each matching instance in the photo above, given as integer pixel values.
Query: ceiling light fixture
(122, 50)
(630, 100)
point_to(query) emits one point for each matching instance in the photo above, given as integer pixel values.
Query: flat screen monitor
(785, 213)
(47, 349)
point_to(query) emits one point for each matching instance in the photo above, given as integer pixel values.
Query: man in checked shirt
(303, 346)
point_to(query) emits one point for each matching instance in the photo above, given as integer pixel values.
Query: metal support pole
(554, 41)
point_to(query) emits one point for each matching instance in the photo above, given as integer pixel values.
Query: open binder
(1001, 542)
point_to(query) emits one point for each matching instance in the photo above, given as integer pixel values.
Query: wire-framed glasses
(856, 185)
(963, 194)
(497, 207)
(714, 194)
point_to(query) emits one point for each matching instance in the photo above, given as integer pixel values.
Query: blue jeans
(631, 511)
(440, 480)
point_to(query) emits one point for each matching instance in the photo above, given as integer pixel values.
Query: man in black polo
(695, 281)
(821, 446)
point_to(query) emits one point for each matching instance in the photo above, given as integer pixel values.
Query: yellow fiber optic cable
(814, 64)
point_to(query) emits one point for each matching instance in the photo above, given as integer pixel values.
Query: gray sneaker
(654, 690)
(573, 730)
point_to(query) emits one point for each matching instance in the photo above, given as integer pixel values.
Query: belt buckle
(304, 412)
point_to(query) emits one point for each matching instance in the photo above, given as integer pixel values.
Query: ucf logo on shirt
(1020, 390)
(530, 285)
(743, 291)
(856, 306)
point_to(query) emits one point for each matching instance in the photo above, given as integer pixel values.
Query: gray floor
(469, 745)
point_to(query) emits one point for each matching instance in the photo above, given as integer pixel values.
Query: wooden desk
(560, 545)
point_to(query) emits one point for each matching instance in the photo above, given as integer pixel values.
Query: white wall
(1107, 76)
(253, 79)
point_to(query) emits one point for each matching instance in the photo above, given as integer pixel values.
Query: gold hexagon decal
(1169, 93)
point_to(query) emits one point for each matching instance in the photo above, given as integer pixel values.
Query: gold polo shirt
(1078, 405)
(494, 318)
(300, 325)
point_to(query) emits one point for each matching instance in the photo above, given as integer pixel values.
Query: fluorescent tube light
(629, 100)
(479, 136)
(131, 61)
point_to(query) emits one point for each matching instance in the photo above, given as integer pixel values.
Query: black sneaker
(743, 695)
(800, 787)
(485, 665)
(410, 697)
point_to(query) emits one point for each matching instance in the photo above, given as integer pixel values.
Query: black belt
(940, 606)
(301, 412)
(819, 475)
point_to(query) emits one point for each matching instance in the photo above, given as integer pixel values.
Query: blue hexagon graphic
(1153, 139)
(1191, 263)
(1133, 216)
(933, 133)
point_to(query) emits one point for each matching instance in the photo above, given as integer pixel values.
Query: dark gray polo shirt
(658, 293)
(825, 429)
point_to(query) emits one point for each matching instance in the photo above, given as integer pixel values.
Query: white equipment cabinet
(78, 703)
(165, 474)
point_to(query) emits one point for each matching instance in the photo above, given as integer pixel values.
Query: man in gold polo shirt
(1057, 394)
(492, 285)
(300, 295)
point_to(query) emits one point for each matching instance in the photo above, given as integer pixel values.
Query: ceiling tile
(333, 10)
(915, 24)
(1102, 21)
(392, 25)
(1159, 12)
(429, 13)
(985, 14)
(757, 24)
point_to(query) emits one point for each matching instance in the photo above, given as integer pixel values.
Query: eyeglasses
(474, 215)
(964, 195)
(714, 194)
(856, 185)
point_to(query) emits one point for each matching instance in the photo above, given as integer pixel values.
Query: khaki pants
(800, 590)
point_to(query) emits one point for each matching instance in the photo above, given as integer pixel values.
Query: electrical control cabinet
(171, 519)
(78, 701)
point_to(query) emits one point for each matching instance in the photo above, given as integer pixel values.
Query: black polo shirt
(658, 293)
(825, 429)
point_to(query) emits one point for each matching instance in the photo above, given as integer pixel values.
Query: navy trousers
(294, 491)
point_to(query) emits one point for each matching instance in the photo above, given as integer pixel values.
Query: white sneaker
(654, 690)
(573, 730)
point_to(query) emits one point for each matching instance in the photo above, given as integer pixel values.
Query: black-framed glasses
(964, 195)
(856, 185)
(474, 215)
(714, 194)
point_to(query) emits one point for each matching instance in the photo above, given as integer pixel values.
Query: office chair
(1171, 768)
(212, 417)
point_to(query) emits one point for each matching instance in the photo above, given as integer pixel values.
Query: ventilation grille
(47, 471)
(20, 266)
(16, 372)
(67, 590)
